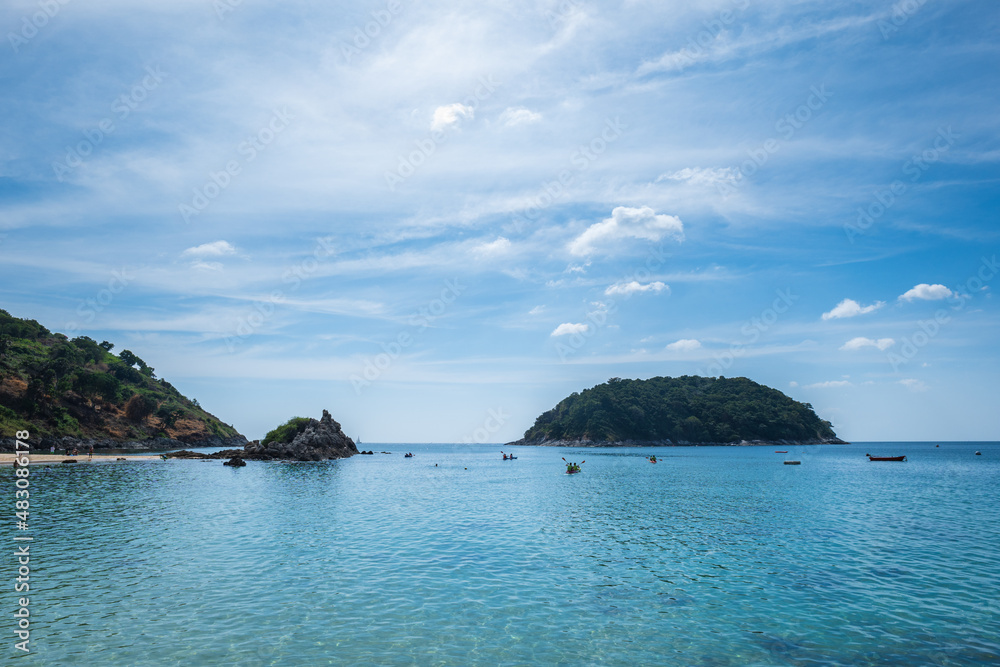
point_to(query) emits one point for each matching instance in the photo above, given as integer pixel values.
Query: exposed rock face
(236, 462)
(321, 440)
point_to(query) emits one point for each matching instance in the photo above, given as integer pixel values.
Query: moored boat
(793, 463)
(885, 458)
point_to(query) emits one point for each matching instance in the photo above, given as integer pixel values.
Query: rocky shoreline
(321, 440)
(671, 443)
(44, 443)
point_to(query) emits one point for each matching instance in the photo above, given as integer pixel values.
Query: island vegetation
(56, 387)
(688, 410)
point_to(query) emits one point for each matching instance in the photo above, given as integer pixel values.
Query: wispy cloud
(862, 342)
(914, 384)
(851, 308)
(213, 249)
(684, 345)
(633, 286)
(701, 176)
(494, 248)
(829, 384)
(514, 116)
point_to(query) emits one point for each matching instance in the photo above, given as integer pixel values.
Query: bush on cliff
(287, 431)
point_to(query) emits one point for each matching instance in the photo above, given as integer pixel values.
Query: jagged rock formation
(321, 440)
(318, 441)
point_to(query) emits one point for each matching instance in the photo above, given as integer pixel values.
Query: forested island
(688, 410)
(77, 392)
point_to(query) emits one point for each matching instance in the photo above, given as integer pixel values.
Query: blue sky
(437, 219)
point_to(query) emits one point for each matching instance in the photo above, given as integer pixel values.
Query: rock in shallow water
(321, 440)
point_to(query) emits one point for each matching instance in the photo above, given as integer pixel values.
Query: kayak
(570, 472)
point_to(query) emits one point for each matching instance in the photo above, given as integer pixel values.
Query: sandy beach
(7, 458)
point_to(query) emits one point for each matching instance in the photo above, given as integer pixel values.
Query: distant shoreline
(668, 443)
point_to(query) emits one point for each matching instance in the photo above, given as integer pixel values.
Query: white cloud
(927, 293)
(207, 266)
(914, 385)
(625, 289)
(793, 383)
(628, 222)
(493, 248)
(450, 114)
(514, 116)
(851, 308)
(861, 341)
(537, 310)
(568, 328)
(701, 175)
(213, 249)
(828, 384)
(684, 345)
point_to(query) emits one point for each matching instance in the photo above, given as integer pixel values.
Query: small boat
(978, 453)
(793, 463)
(509, 458)
(407, 456)
(885, 458)
(652, 459)
(781, 451)
(572, 471)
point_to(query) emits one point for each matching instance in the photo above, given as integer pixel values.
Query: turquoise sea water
(713, 556)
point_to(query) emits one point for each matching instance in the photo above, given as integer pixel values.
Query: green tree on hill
(685, 409)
